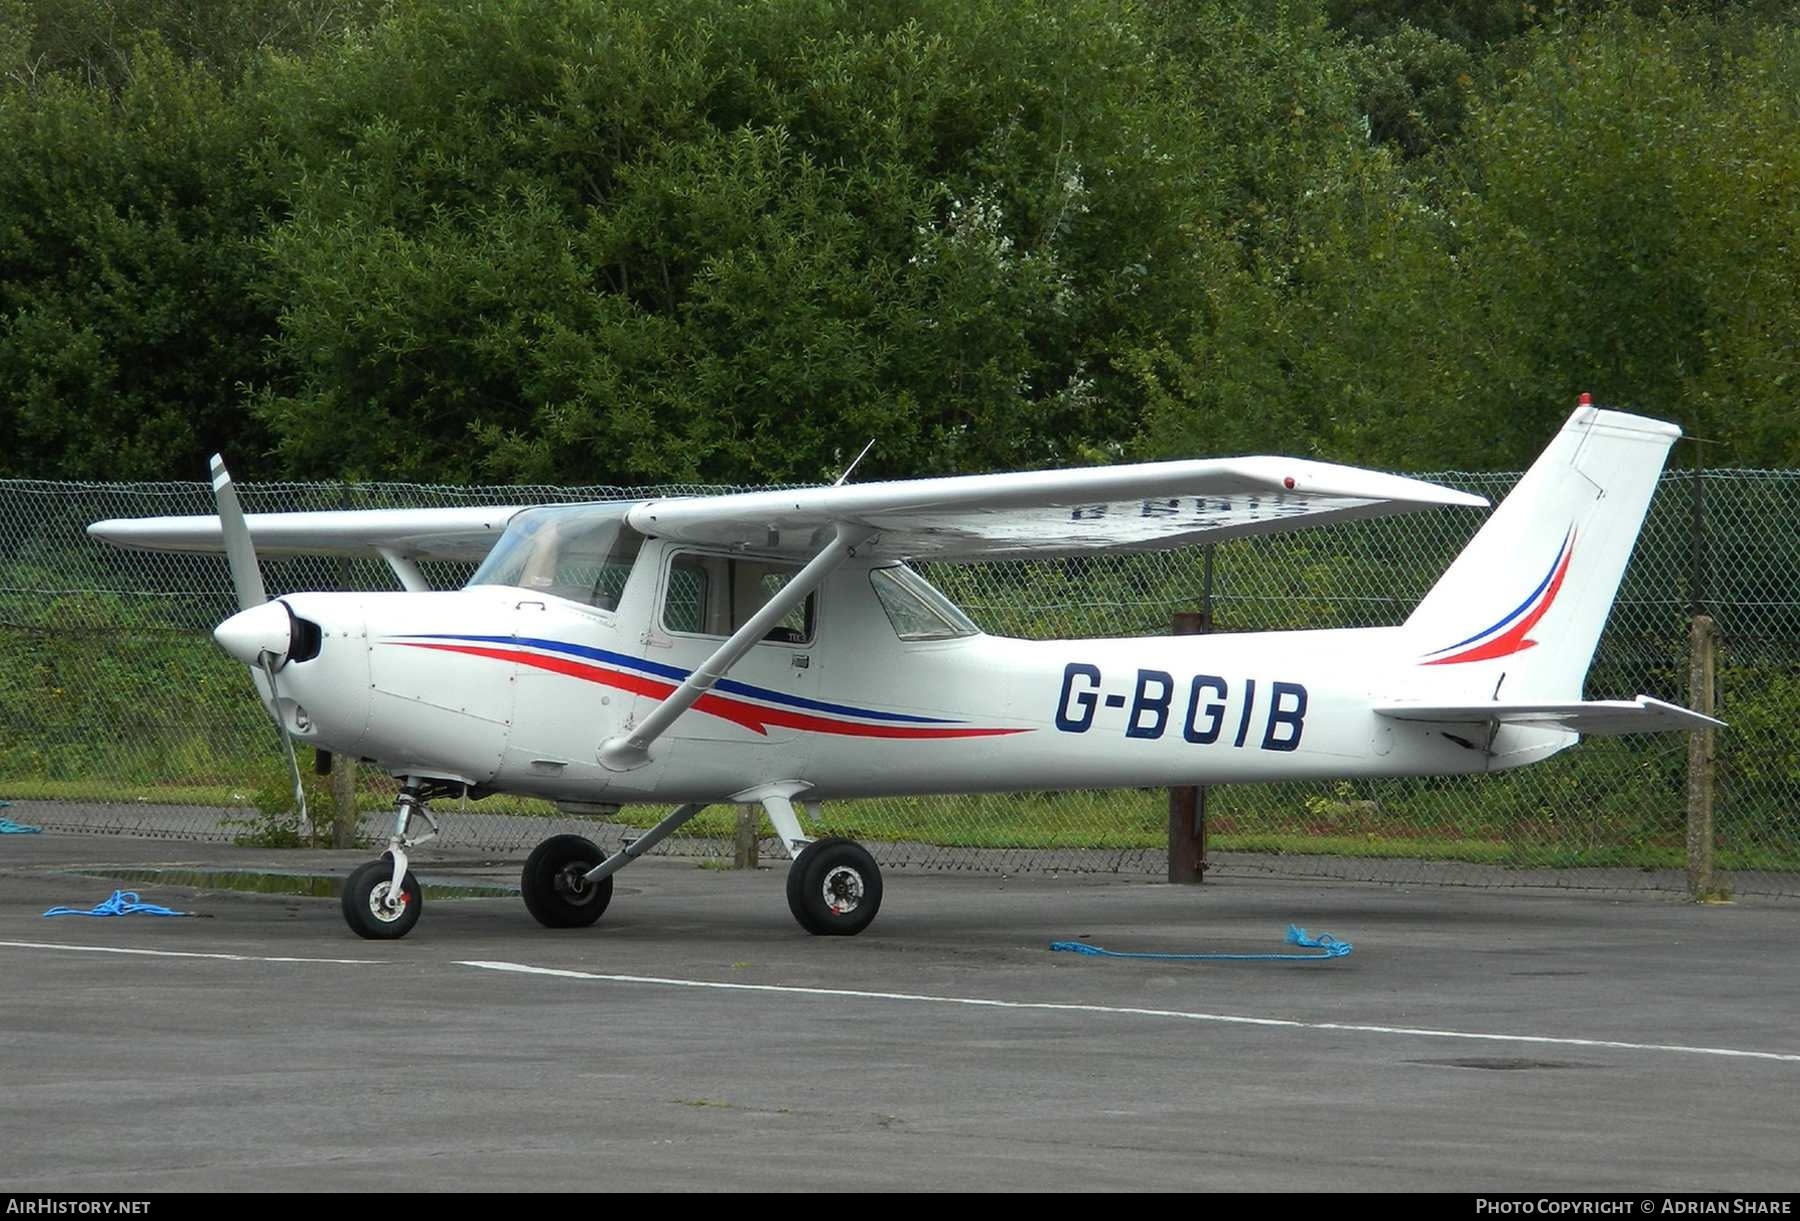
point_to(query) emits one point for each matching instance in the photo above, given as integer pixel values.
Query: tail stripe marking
(1526, 615)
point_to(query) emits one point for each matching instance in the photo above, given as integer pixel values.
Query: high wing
(1142, 507)
(421, 534)
(1595, 718)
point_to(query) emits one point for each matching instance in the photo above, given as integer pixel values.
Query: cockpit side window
(715, 595)
(583, 553)
(915, 607)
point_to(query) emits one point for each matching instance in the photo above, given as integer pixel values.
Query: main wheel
(556, 893)
(834, 888)
(371, 912)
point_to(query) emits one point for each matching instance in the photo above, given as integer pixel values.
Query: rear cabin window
(715, 595)
(915, 607)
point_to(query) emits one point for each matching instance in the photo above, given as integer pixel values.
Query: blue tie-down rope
(122, 903)
(1327, 945)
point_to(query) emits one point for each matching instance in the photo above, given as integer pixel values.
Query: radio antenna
(852, 466)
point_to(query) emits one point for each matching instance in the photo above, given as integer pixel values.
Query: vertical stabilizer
(1518, 615)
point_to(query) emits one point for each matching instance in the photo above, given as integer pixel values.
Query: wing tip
(1309, 476)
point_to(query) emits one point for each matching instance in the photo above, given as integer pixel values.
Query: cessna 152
(774, 648)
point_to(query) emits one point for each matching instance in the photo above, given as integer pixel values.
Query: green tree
(699, 240)
(1631, 199)
(94, 42)
(1616, 219)
(1415, 88)
(125, 270)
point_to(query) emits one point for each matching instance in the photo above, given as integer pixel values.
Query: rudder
(1523, 606)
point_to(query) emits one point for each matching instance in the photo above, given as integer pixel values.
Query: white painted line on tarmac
(113, 949)
(519, 968)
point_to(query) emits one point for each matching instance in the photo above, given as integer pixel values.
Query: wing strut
(405, 570)
(629, 750)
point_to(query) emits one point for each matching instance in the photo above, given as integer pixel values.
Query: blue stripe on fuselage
(677, 674)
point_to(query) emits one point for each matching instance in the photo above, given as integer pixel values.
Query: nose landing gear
(383, 899)
(373, 908)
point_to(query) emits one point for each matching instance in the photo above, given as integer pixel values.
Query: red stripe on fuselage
(753, 717)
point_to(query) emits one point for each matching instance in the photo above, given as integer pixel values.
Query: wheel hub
(380, 908)
(571, 883)
(843, 890)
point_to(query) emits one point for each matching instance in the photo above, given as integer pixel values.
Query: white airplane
(775, 648)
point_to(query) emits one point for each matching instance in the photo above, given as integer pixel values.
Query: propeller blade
(287, 745)
(243, 633)
(240, 554)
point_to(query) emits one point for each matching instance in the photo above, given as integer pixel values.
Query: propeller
(262, 632)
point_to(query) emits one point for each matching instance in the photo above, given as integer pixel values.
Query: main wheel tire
(366, 907)
(555, 894)
(834, 888)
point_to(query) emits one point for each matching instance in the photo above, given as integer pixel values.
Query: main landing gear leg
(382, 899)
(834, 885)
(566, 884)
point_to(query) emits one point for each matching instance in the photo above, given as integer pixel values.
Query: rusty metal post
(1187, 803)
(1703, 664)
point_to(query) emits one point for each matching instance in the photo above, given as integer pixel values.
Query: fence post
(1702, 777)
(345, 823)
(1187, 803)
(746, 837)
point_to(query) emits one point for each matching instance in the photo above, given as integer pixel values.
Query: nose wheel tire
(834, 888)
(555, 893)
(372, 912)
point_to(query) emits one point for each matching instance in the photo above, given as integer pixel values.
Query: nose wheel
(382, 899)
(373, 908)
(834, 888)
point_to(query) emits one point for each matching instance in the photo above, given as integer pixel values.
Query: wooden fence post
(346, 824)
(1702, 772)
(746, 837)
(1187, 803)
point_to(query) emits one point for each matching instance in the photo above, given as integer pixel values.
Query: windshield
(580, 552)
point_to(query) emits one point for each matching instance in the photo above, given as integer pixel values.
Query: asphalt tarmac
(696, 1039)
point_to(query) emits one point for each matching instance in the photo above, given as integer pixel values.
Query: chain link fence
(119, 714)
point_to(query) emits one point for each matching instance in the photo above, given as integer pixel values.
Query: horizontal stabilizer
(1599, 718)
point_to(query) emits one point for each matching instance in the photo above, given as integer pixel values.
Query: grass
(1489, 826)
(242, 796)
(116, 792)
